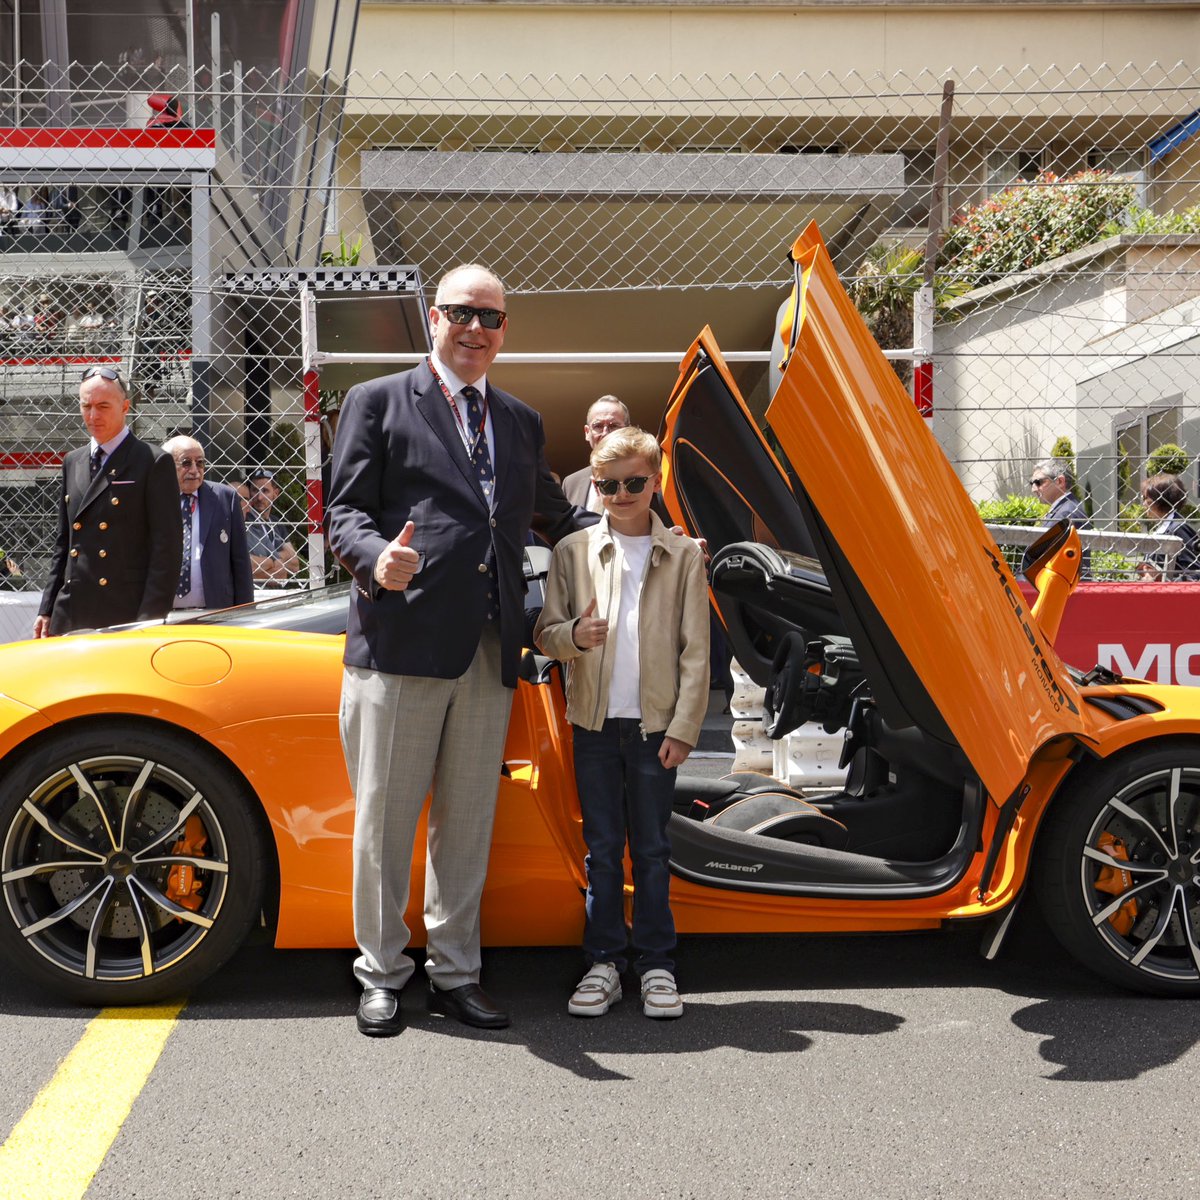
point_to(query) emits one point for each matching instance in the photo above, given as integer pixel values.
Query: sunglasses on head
(634, 485)
(464, 314)
(109, 373)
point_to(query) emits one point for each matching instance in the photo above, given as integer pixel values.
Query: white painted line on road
(58, 1145)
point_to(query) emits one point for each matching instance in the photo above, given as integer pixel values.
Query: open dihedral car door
(925, 588)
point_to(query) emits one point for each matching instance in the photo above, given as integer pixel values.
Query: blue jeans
(624, 789)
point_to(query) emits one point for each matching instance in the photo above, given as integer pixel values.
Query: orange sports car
(165, 788)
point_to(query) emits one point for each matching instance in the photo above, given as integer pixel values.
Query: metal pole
(190, 47)
(17, 62)
(215, 34)
(312, 473)
(923, 306)
(586, 357)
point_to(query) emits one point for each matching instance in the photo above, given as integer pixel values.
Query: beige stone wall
(620, 40)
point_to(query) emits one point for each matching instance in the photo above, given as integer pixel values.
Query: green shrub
(1034, 222)
(1013, 510)
(1168, 459)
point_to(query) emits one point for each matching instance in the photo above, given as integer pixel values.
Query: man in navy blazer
(117, 555)
(436, 477)
(215, 571)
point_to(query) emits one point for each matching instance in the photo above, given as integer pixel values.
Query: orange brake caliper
(1114, 881)
(182, 885)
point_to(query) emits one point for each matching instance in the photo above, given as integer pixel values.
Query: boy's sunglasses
(634, 485)
(463, 314)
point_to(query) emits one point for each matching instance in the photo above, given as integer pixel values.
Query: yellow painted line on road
(60, 1142)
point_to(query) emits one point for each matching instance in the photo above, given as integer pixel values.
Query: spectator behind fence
(119, 541)
(1165, 498)
(272, 555)
(1053, 482)
(215, 569)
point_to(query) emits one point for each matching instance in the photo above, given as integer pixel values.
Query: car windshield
(316, 610)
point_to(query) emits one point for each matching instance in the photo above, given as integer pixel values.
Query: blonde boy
(627, 609)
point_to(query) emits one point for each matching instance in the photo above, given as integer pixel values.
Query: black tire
(1118, 871)
(129, 914)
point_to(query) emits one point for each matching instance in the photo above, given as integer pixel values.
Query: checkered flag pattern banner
(168, 223)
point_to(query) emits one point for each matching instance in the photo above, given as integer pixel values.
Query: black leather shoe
(379, 1013)
(469, 1004)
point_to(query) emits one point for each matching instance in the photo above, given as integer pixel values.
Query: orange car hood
(903, 523)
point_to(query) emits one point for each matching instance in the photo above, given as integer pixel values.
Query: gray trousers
(401, 734)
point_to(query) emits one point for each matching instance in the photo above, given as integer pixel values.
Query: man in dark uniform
(120, 539)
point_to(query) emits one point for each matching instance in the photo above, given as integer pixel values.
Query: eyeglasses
(464, 314)
(109, 373)
(634, 485)
(1036, 483)
(605, 426)
(199, 463)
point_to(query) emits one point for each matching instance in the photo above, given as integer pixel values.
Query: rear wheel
(131, 864)
(1119, 873)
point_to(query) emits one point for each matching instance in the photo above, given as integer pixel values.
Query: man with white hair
(215, 567)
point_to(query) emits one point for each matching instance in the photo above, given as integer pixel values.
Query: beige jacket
(672, 632)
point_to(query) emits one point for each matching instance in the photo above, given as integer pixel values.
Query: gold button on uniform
(103, 553)
(103, 524)
(114, 500)
(74, 553)
(483, 568)
(77, 525)
(104, 583)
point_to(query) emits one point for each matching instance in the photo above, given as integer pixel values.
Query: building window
(1005, 167)
(1123, 164)
(1136, 437)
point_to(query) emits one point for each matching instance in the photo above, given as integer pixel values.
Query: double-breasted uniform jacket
(120, 540)
(399, 457)
(225, 557)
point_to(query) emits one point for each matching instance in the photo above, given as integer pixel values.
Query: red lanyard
(471, 446)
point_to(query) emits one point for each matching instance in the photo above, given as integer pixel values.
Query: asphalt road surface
(828, 1067)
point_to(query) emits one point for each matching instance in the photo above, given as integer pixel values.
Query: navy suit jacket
(120, 540)
(399, 457)
(225, 558)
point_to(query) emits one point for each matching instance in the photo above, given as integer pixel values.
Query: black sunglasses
(634, 485)
(110, 373)
(1039, 482)
(464, 314)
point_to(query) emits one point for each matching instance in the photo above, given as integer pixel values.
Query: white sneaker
(660, 996)
(596, 992)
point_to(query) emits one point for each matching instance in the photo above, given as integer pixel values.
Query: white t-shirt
(624, 695)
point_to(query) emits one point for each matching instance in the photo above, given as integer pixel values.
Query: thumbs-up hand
(398, 562)
(590, 630)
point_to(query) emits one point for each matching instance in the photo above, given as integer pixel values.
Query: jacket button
(483, 568)
(114, 500)
(103, 553)
(75, 553)
(103, 524)
(77, 526)
(104, 583)
(493, 522)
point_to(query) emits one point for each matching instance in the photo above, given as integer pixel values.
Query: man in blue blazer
(436, 477)
(215, 567)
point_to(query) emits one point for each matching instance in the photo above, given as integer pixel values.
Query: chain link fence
(1066, 285)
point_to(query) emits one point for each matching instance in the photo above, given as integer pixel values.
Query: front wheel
(1118, 877)
(130, 862)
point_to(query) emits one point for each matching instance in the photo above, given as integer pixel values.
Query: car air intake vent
(1124, 707)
